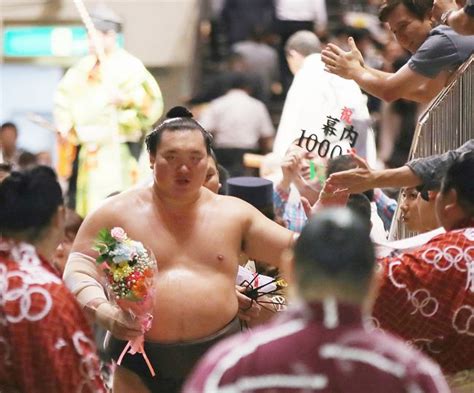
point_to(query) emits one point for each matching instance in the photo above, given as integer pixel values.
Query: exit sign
(46, 41)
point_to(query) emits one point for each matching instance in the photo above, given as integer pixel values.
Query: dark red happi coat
(46, 344)
(323, 348)
(427, 298)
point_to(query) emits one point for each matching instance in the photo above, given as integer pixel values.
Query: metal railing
(445, 125)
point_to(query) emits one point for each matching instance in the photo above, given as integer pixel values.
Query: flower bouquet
(129, 270)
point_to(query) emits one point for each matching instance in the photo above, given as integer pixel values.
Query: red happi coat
(427, 298)
(46, 344)
(321, 347)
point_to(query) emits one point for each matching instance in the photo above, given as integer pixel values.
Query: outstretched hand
(340, 62)
(248, 309)
(353, 180)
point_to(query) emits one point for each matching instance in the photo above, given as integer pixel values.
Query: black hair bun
(29, 199)
(178, 111)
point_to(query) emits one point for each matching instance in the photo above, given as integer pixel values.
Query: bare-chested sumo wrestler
(196, 237)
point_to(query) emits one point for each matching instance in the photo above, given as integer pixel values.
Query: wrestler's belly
(190, 305)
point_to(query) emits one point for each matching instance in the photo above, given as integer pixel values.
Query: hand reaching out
(248, 309)
(353, 180)
(291, 165)
(340, 62)
(330, 196)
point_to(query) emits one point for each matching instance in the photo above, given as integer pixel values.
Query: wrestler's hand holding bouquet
(130, 271)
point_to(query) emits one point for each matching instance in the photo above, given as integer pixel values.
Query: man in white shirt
(295, 15)
(331, 108)
(240, 124)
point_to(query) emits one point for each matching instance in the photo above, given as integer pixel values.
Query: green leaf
(103, 244)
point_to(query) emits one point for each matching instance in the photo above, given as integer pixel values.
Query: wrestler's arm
(263, 239)
(83, 278)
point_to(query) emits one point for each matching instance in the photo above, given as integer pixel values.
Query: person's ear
(58, 220)
(432, 195)
(152, 158)
(451, 202)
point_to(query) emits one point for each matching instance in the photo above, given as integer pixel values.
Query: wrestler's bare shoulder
(232, 205)
(129, 200)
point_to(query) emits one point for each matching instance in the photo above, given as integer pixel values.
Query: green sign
(46, 41)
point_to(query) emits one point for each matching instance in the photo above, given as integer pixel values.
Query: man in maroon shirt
(323, 345)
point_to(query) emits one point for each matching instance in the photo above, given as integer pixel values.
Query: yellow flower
(122, 271)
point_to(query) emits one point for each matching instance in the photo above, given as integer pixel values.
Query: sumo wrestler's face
(180, 163)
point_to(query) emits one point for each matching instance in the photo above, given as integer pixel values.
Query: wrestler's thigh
(126, 381)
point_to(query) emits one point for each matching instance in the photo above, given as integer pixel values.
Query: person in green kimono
(105, 104)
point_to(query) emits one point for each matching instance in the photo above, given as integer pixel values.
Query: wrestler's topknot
(178, 118)
(179, 111)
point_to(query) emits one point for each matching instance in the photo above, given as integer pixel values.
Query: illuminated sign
(46, 41)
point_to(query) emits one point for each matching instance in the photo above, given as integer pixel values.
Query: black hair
(9, 124)
(340, 164)
(419, 8)
(360, 204)
(344, 163)
(5, 167)
(223, 174)
(177, 119)
(27, 160)
(28, 201)
(223, 177)
(459, 177)
(239, 80)
(73, 223)
(335, 245)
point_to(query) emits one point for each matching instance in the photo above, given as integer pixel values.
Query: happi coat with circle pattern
(46, 344)
(426, 296)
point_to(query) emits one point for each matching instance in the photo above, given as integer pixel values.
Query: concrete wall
(159, 32)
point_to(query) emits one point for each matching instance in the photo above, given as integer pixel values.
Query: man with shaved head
(322, 345)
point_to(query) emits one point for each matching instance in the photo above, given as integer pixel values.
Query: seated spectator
(296, 186)
(26, 160)
(47, 345)
(421, 171)
(296, 170)
(72, 224)
(436, 53)
(216, 177)
(9, 151)
(426, 295)
(322, 345)
(410, 215)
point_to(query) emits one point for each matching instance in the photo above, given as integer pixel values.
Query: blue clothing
(444, 49)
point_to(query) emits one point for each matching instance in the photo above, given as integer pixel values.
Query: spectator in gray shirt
(422, 171)
(436, 54)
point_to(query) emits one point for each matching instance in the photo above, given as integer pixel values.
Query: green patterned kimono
(118, 104)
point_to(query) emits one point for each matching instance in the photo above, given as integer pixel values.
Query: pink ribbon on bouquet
(136, 345)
